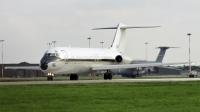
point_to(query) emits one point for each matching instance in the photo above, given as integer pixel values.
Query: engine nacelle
(118, 59)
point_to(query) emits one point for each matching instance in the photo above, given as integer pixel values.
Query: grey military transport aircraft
(132, 72)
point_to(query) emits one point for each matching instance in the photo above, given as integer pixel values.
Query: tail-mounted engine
(118, 58)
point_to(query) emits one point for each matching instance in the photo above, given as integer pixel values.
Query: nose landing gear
(49, 77)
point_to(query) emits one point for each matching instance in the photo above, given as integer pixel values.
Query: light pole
(2, 57)
(102, 44)
(89, 41)
(189, 54)
(54, 42)
(49, 44)
(146, 50)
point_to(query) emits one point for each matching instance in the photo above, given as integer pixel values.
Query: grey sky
(28, 25)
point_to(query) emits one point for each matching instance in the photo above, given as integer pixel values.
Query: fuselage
(68, 60)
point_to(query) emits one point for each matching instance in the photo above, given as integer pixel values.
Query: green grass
(102, 97)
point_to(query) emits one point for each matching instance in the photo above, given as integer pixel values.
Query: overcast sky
(28, 25)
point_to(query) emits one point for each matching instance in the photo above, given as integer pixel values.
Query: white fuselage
(66, 60)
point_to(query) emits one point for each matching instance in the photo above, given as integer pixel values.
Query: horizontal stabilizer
(126, 27)
(165, 47)
(104, 28)
(119, 38)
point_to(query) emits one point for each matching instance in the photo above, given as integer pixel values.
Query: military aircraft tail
(162, 53)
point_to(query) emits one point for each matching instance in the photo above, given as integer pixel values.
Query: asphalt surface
(100, 81)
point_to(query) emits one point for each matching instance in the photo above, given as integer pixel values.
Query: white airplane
(68, 60)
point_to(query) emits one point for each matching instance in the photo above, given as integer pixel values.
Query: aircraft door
(65, 56)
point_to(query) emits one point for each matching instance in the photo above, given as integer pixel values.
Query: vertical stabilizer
(162, 53)
(119, 38)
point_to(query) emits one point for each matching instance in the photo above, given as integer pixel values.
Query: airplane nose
(44, 65)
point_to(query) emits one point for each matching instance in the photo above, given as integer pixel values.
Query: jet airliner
(72, 60)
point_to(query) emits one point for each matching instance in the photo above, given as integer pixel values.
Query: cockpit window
(50, 54)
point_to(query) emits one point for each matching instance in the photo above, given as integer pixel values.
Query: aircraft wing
(125, 66)
(23, 67)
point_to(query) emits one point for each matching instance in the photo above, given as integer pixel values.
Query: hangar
(21, 73)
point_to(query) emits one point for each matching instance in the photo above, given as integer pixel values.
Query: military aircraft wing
(125, 66)
(23, 67)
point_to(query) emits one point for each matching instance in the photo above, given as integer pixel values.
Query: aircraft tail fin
(162, 53)
(119, 38)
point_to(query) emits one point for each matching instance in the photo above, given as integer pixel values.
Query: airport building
(20, 73)
(168, 71)
(178, 70)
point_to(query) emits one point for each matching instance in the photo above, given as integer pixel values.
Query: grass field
(102, 97)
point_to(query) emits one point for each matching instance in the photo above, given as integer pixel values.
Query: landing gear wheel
(49, 78)
(105, 76)
(76, 77)
(110, 76)
(73, 77)
(133, 76)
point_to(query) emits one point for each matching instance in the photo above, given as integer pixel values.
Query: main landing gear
(73, 77)
(135, 75)
(108, 75)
